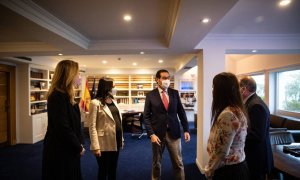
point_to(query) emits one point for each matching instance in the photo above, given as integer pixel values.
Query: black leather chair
(277, 129)
(140, 121)
(281, 137)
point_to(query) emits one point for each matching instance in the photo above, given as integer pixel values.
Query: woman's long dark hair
(104, 87)
(226, 92)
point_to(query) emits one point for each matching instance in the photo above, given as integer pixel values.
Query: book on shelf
(37, 75)
(123, 100)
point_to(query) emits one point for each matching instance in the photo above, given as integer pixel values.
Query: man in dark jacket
(162, 109)
(257, 147)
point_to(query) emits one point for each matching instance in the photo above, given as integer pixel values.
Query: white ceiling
(261, 18)
(92, 31)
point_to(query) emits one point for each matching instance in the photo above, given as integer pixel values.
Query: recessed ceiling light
(142, 52)
(160, 61)
(284, 2)
(60, 54)
(104, 62)
(134, 64)
(254, 51)
(127, 17)
(205, 20)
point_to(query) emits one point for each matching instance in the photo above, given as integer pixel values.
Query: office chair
(277, 129)
(276, 138)
(281, 137)
(140, 120)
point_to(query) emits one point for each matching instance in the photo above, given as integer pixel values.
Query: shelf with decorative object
(188, 99)
(131, 89)
(32, 100)
(40, 80)
(140, 85)
(40, 101)
(39, 86)
(121, 84)
(35, 82)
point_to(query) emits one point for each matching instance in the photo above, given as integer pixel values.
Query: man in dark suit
(257, 147)
(162, 109)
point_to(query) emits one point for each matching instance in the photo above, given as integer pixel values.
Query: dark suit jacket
(62, 143)
(258, 147)
(156, 117)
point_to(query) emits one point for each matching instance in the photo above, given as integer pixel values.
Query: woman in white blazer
(105, 129)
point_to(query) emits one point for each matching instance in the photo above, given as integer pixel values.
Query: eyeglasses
(165, 77)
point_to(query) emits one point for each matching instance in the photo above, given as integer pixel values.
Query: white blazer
(102, 127)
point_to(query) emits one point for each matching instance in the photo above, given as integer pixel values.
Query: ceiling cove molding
(13, 61)
(262, 51)
(43, 18)
(126, 45)
(252, 36)
(184, 61)
(26, 47)
(171, 22)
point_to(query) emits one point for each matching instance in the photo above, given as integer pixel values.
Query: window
(260, 85)
(186, 85)
(289, 91)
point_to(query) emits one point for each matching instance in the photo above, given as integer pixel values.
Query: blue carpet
(24, 161)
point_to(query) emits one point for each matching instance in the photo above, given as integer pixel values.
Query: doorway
(7, 106)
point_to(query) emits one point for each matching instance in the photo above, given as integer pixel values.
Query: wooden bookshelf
(131, 89)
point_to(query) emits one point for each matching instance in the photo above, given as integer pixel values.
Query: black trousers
(107, 163)
(238, 171)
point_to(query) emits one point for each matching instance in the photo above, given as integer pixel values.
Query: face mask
(77, 81)
(113, 91)
(165, 83)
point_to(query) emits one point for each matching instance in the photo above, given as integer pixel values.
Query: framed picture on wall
(187, 85)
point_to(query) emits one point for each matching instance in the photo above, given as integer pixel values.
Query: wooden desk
(285, 162)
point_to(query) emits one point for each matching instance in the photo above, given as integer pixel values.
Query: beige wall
(241, 64)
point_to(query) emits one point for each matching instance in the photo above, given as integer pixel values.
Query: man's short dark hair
(159, 72)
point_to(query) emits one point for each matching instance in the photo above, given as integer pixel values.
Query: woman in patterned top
(226, 141)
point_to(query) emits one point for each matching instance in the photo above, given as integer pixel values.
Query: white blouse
(226, 140)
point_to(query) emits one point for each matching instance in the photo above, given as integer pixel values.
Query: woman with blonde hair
(63, 141)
